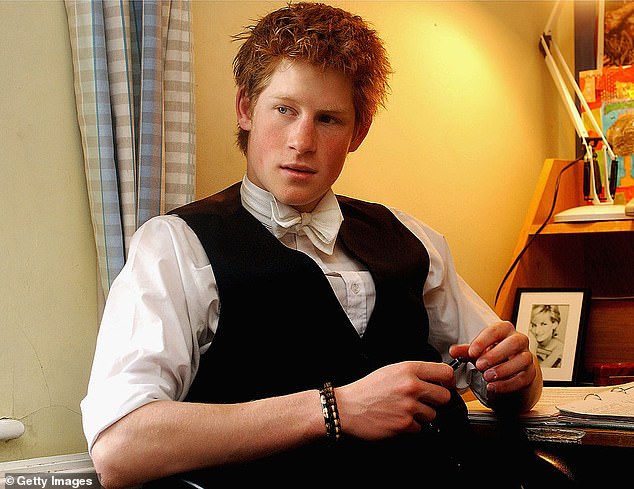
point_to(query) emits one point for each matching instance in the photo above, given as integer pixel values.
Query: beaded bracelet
(330, 411)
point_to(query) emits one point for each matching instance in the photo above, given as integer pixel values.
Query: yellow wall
(48, 310)
(472, 117)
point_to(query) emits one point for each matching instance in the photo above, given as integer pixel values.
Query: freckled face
(300, 131)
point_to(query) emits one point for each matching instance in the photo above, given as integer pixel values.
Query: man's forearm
(168, 437)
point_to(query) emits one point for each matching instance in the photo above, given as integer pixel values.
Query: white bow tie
(320, 226)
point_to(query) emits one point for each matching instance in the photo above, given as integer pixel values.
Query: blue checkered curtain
(134, 90)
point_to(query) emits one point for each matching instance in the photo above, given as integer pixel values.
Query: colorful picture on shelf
(610, 96)
(609, 92)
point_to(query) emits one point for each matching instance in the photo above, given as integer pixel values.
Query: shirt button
(355, 288)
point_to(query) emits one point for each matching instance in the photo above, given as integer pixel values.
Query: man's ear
(243, 110)
(359, 136)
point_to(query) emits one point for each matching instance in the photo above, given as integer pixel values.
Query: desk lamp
(605, 210)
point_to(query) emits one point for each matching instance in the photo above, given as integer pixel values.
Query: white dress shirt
(162, 310)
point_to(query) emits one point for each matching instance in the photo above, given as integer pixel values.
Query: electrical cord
(539, 230)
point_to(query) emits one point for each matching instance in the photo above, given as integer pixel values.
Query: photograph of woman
(546, 337)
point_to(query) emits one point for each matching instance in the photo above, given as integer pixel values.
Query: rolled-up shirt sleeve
(456, 312)
(159, 317)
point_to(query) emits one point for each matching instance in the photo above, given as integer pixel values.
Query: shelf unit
(596, 255)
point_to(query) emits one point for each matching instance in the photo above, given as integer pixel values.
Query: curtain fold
(134, 91)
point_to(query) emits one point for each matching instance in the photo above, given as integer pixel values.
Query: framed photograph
(554, 321)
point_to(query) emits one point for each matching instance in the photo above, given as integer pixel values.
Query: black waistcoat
(282, 330)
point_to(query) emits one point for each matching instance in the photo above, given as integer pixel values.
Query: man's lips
(299, 169)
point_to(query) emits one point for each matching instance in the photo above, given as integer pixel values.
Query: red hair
(324, 36)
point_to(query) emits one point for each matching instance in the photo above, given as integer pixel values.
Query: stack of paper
(613, 406)
(609, 406)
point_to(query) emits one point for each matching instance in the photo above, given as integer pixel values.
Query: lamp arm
(554, 15)
(570, 106)
(545, 45)
(569, 103)
(582, 99)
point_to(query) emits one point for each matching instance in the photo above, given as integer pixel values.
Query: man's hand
(394, 399)
(501, 353)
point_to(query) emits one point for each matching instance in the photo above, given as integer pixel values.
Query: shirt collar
(321, 225)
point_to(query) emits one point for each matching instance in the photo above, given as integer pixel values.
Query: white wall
(48, 312)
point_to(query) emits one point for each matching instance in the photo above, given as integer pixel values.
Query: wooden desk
(557, 434)
(594, 255)
(586, 453)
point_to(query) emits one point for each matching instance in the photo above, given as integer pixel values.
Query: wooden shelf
(595, 255)
(585, 227)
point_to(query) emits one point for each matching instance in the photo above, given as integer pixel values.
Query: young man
(305, 332)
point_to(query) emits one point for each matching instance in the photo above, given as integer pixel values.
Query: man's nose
(303, 136)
